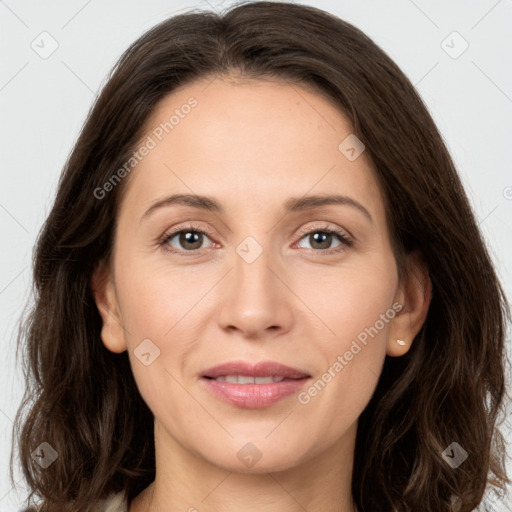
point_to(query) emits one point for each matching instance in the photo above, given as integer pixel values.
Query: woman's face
(265, 283)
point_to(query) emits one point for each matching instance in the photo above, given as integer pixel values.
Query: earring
(400, 342)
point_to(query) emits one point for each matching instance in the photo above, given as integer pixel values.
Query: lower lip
(253, 396)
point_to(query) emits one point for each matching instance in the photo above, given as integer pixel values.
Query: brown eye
(321, 240)
(189, 240)
(185, 240)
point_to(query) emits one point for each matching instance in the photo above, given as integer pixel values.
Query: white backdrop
(56, 55)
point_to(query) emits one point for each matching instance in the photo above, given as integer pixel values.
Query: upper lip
(261, 369)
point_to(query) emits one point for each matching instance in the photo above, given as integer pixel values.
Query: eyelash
(344, 239)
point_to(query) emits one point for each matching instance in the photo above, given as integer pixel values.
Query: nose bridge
(254, 299)
(255, 253)
(253, 269)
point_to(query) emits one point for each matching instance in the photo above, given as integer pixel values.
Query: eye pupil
(188, 237)
(325, 243)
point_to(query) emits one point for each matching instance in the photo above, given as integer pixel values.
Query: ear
(414, 295)
(104, 292)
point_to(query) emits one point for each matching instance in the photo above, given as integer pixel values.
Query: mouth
(253, 386)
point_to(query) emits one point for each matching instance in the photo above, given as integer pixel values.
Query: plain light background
(44, 102)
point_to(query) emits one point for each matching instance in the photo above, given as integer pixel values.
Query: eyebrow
(293, 204)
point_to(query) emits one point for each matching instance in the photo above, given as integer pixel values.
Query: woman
(333, 339)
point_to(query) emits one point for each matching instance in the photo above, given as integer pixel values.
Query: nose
(255, 300)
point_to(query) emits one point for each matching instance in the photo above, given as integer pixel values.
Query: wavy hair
(82, 399)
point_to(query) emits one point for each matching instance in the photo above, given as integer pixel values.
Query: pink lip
(254, 396)
(262, 369)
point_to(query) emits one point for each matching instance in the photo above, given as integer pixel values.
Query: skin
(248, 144)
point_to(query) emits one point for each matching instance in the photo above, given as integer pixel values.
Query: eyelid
(190, 226)
(324, 226)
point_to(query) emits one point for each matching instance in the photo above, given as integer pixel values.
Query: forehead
(248, 142)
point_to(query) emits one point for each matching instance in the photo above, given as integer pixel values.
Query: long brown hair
(82, 399)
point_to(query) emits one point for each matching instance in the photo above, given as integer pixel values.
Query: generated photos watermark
(150, 143)
(305, 397)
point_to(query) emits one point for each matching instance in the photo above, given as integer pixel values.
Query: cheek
(165, 304)
(347, 299)
(156, 297)
(360, 304)
(355, 309)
